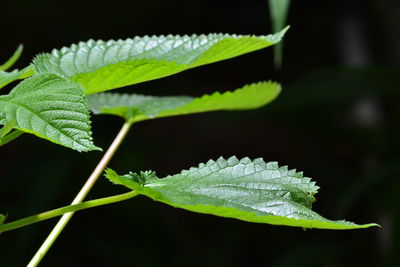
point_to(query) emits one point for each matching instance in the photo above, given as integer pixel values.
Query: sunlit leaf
(49, 107)
(8, 77)
(99, 66)
(247, 190)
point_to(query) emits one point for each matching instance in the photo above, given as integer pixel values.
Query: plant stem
(81, 195)
(60, 211)
(11, 136)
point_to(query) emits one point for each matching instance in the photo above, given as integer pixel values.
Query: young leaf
(8, 126)
(136, 108)
(49, 107)
(99, 66)
(13, 58)
(8, 77)
(252, 191)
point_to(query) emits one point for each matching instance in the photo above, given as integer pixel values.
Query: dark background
(337, 119)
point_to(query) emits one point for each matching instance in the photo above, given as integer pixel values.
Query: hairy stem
(60, 211)
(81, 195)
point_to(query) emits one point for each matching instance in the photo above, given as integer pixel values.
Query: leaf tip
(20, 48)
(111, 175)
(96, 148)
(284, 30)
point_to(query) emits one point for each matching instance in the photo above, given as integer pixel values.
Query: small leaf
(49, 107)
(13, 58)
(136, 108)
(8, 77)
(100, 66)
(252, 191)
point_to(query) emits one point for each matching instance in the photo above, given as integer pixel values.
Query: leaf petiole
(13, 58)
(81, 195)
(60, 211)
(10, 137)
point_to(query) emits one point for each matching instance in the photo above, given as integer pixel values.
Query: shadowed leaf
(136, 108)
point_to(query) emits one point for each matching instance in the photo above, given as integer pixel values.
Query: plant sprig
(55, 104)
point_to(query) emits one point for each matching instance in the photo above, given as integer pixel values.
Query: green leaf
(13, 58)
(49, 107)
(100, 66)
(136, 108)
(278, 10)
(8, 126)
(252, 191)
(8, 77)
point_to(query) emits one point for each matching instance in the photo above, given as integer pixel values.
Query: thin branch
(60, 211)
(81, 195)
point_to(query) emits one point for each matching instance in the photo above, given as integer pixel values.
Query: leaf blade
(136, 108)
(52, 108)
(252, 191)
(99, 66)
(9, 77)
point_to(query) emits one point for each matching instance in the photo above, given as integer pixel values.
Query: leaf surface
(99, 66)
(136, 108)
(8, 77)
(252, 191)
(49, 107)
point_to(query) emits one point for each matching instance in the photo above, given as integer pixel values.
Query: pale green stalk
(10, 137)
(81, 195)
(60, 211)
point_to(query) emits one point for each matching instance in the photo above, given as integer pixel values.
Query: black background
(337, 119)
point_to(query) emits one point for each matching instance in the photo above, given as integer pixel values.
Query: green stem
(13, 58)
(60, 211)
(11, 136)
(81, 195)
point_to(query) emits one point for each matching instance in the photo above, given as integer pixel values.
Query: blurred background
(337, 119)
